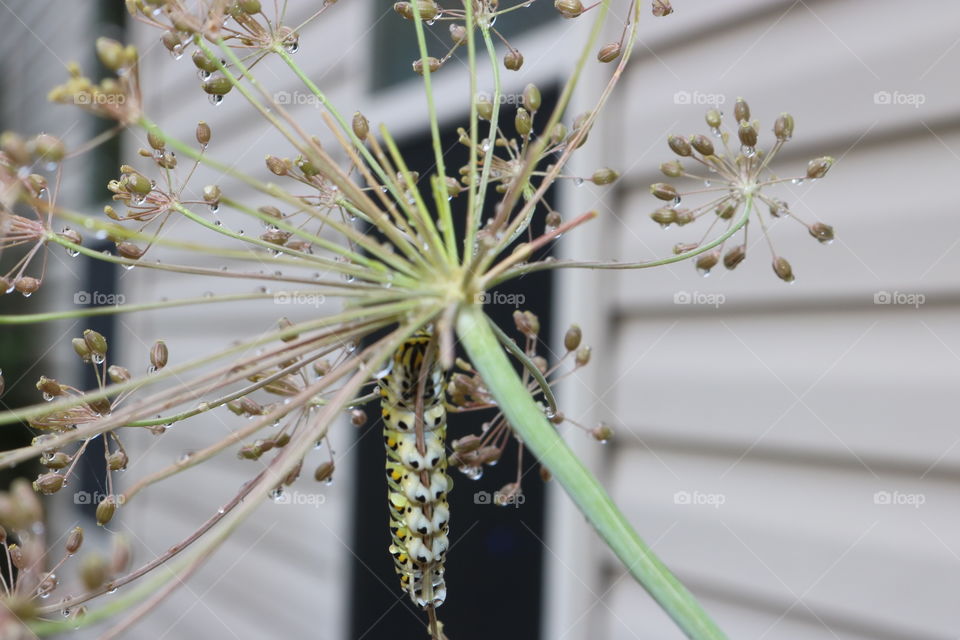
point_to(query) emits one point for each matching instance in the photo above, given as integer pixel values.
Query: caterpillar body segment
(414, 431)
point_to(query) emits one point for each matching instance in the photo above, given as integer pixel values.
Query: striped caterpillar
(414, 430)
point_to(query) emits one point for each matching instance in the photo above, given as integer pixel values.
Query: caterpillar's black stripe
(417, 480)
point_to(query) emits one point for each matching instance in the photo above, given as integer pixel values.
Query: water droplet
(215, 208)
(47, 397)
(716, 132)
(203, 75)
(185, 457)
(675, 202)
(215, 100)
(473, 473)
(385, 371)
(748, 151)
(703, 272)
(578, 182)
(128, 267)
(707, 184)
(276, 494)
(798, 181)
(97, 358)
(176, 52)
(208, 294)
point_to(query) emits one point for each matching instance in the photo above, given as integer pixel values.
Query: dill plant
(369, 232)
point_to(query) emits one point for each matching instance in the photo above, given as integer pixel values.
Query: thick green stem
(540, 437)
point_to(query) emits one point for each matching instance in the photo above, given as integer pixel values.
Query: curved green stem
(538, 435)
(577, 264)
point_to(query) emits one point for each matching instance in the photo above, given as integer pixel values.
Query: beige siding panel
(861, 385)
(845, 544)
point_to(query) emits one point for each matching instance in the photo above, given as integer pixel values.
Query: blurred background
(790, 451)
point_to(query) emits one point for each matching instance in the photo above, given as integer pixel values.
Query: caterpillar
(414, 431)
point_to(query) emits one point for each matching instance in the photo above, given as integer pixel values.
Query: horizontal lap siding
(802, 407)
(286, 571)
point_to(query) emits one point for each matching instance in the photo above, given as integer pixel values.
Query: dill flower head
(737, 174)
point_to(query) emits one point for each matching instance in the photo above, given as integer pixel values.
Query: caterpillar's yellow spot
(417, 480)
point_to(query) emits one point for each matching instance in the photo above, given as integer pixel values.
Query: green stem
(540, 437)
(516, 272)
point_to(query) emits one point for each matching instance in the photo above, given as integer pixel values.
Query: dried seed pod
(26, 285)
(278, 166)
(602, 432)
(358, 417)
(664, 191)
(822, 232)
(467, 443)
(117, 461)
(664, 216)
(57, 460)
(683, 216)
(818, 167)
(130, 251)
(747, 134)
(735, 256)
(713, 119)
(203, 133)
(458, 33)
(484, 107)
(158, 355)
(568, 8)
(783, 269)
(727, 208)
(49, 386)
(74, 540)
(219, 86)
(118, 374)
(707, 261)
(572, 338)
(527, 323)
(783, 127)
(671, 169)
(661, 8)
(81, 348)
(432, 63)
(508, 494)
(703, 144)
(96, 342)
(48, 483)
(106, 509)
(513, 60)
(531, 98)
(609, 52)
(679, 146)
(155, 140)
(522, 122)
(545, 474)
(583, 356)
(360, 126)
(93, 571)
(604, 176)
(324, 472)
(741, 110)
(111, 53)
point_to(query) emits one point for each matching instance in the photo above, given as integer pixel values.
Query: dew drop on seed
(748, 151)
(675, 202)
(215, 100)
(716, 132)
(703, 272)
